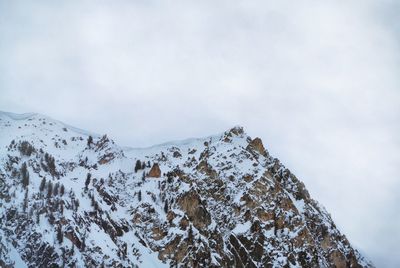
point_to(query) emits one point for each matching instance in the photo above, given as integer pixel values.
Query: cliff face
(68, 198)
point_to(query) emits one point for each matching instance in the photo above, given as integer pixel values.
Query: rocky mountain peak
(236, 130)
(72, 198)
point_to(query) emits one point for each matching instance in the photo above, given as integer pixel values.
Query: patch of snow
(242, 228)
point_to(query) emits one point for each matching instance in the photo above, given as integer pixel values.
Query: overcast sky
(318, 81)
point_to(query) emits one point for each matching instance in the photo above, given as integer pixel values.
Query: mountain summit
(70, 198)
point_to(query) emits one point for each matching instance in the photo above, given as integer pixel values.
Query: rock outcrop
(155, 171)
(258, 146)
(192, 205)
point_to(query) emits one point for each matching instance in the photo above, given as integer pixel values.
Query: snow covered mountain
(70, 198)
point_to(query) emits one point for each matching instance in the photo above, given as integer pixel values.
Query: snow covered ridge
(69, 198)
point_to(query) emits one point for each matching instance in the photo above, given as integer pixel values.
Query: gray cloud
(317, 81)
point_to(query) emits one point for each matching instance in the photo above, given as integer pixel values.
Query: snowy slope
(69, 197)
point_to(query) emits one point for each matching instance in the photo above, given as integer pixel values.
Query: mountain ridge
(218, 201)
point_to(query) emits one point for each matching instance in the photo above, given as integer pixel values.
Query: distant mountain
(70, 198)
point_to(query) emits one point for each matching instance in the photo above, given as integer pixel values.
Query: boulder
(155, 171)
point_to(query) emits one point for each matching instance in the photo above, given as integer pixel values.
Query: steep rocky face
(68, 198)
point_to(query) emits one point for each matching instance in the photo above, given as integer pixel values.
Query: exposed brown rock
(249, 202)
(70, 234)
(137, 218)
(264, 215)
(260, 188)
(205, 168)
(247, 215)
(248, 178)
(280, 222)
(257, 145)
(237, 210)
(287, 204)
(104, 159)
(191, 203)
(240, 253)
(158, 233)
(155, 171)
(184, 223)
(338, 259)
(326, 243)
(303, 238)
(170, 216)
(170, 248)
(236, 131)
